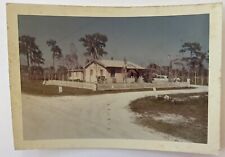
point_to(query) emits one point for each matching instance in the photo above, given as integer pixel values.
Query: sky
(141, 40)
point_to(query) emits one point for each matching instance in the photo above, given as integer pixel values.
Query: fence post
(95, 87)
(60, 89)
(156, 95)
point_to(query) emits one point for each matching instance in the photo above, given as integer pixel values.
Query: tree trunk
(202, 77)
(96, 72)
(195, 77)
(53, 62)
(28, 61)
(28, 65)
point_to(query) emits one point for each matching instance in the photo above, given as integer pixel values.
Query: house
(76, 74)
(109, 71)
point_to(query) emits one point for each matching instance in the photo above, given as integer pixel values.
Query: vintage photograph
(114, 77)
(146, 78)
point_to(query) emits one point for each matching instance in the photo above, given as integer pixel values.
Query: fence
(116, 86)
(84, 85)
(121, 86)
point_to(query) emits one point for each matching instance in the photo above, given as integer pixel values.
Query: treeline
(193, 65)
(94, 44)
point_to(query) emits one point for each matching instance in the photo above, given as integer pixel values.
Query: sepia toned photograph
(114, 77)
(128, 77)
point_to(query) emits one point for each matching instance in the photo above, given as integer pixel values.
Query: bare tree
(71, 59)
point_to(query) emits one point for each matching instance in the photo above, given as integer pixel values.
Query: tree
(29, 48)
(94, 44)
(191, 47)
(196, 58)
(62, 73)
(203, 56)
(56, 51)
(182, 69)
(71, 60)
(151, 71)
(37, 58)
(125, 70)
(36, 72)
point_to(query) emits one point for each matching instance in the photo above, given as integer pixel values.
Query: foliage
(94, 44)
(29, 48)
(56, 50)
(71, 60)
(195, 61)
(62, 70)
(197, 56)
(191, 47)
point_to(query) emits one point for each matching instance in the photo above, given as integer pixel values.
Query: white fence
(116, 86)
(74, 84)
(171, 84)
(121, 86)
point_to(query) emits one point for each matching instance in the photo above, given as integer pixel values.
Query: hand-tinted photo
(115, 77)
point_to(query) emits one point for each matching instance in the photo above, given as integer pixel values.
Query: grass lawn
(36, 88)
(192, 108)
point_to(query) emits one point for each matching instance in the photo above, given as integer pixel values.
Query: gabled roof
(115, 64)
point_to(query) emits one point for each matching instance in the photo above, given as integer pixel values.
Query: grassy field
(193, 108)
(36, 88)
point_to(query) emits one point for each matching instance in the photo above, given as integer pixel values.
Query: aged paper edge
(215, 48)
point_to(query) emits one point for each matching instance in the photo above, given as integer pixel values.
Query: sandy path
(97, 116)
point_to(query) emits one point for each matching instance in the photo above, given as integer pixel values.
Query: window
(101, 72)
(91, 72)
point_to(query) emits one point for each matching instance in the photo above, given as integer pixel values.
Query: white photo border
(215, 54)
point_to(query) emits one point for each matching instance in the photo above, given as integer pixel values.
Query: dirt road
(96, 116)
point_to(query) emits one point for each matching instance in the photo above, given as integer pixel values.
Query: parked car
(160, 78)
(177, 79)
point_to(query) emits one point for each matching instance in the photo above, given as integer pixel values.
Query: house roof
(76, 70)
(116, 64)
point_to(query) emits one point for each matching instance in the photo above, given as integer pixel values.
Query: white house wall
(96, 72)
(119, 77)
(76, 75)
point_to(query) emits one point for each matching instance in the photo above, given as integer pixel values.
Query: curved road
(96, 116)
